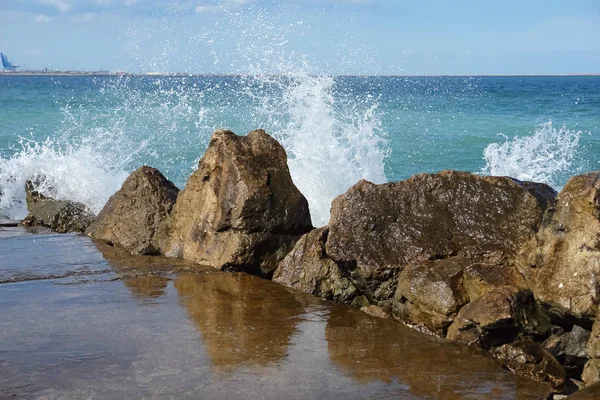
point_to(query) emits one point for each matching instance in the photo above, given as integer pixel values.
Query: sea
(83, 135)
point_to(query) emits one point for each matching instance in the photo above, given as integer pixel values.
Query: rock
(59, 215)
(376, 231)
(589, 393)
(526, 358)
(498, 317)
(430, 294)
(562, 263)
(591, 371)
(570, 350)
(132, 216)
(240, 210)
(307, 268)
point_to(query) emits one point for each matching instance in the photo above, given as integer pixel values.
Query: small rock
(61, 216)
(133, 215)
(498, 317)
(527, 358)
(307, 268)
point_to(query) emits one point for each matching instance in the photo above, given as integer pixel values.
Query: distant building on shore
(7, 65)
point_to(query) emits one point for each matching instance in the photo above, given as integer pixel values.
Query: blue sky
(323, 36)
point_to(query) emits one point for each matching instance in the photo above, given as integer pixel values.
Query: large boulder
(562, 263)
(132, 216)
(307, 268)
(240, 210)
(61, 216)
(376, 231)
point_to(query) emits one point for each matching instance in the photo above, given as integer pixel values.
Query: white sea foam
(546, 156)
(80, 173)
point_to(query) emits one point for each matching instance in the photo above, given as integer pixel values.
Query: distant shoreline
(166, 74)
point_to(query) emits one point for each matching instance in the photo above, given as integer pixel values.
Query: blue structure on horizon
(7, 65)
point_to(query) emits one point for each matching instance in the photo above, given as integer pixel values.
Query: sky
(371, 37)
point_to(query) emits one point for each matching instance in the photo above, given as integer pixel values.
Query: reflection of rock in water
(372, 349)
(245, 321)
(123, 262)
(146, 286)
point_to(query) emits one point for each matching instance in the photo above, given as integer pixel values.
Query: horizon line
(186, 74)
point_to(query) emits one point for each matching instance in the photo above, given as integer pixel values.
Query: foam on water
(547, 156)
(80, 172)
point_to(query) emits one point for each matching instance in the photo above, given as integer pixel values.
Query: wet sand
(84, 320)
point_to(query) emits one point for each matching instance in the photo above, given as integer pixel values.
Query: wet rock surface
(240, 210)
(308, 269)
(562, 263)
(133, 215)
(498, 318)
(61, 216)
(378, 230)
(528, 358)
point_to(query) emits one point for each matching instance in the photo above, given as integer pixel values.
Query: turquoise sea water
(85, 134)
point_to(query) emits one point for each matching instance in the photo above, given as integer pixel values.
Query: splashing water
(331, 142)
(544, 157)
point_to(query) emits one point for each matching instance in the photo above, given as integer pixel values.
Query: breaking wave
(547, 156)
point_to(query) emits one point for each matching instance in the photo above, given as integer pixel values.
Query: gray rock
(59, 215)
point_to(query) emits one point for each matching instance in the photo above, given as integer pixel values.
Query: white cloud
(42, 18)
(60, 5)
(85, 17)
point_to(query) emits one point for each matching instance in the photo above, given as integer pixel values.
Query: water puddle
(83, 320)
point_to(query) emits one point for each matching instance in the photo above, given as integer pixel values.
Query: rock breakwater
(492, 262)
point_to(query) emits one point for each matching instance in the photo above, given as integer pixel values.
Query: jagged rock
(240, 210)
(432, 293)
(378, 230)
(527, 358)
(570, 350)
(132, 216)
(591, 371)
(307, 268)
(562, 263)
(498, 317)
(59, 215)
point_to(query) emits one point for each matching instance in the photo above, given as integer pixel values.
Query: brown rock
(562, 263)
(430, 294)
(132, 216)
(61, 216)
(307, 268)
(377, 230)
(498, 317)
(589, 393)
(591, 371)
(240, 210)
(529, 359)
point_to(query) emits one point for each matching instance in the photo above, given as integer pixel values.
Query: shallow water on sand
(83, 320)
